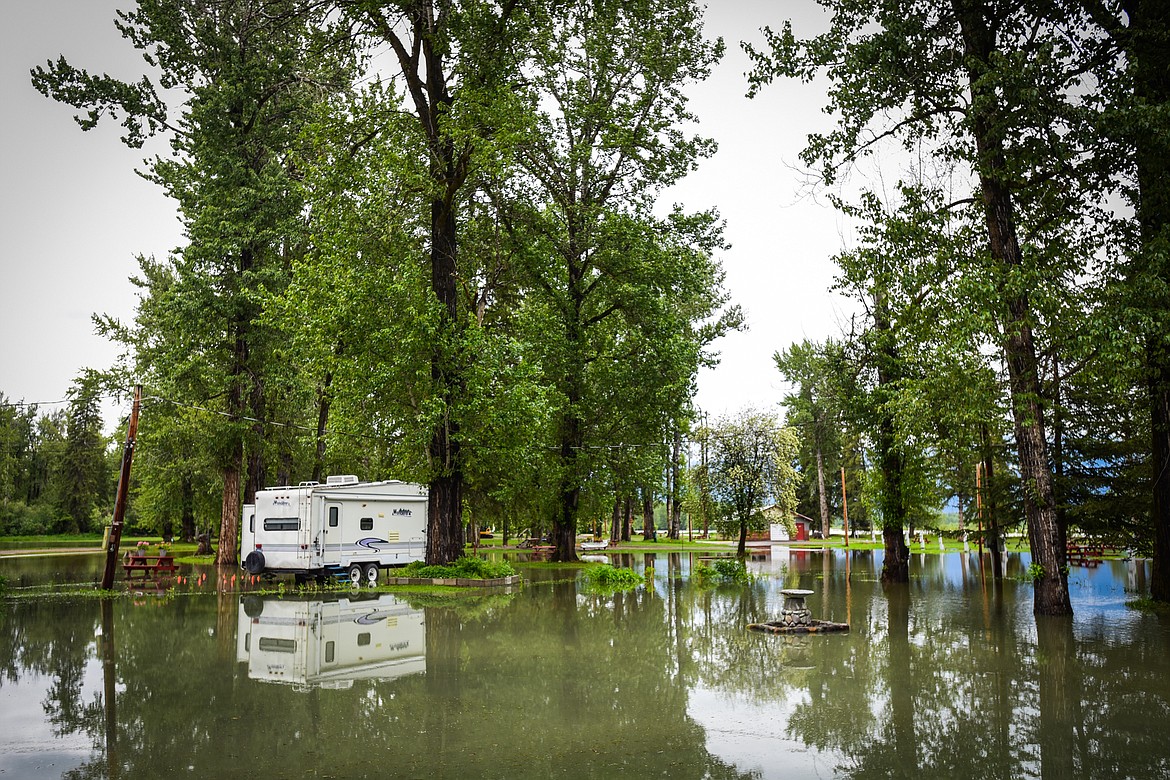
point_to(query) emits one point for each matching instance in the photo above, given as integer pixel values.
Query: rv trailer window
(330, 651)
(252, 523)
(363, 639)
(281, 524)
(332, 517)
(367, 524)
(270, 644)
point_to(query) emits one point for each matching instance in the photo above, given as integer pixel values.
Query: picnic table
(149, 565)
(1090, 553)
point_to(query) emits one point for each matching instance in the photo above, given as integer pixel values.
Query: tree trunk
(822, 497)
(572, 437)
(284, 475)
(444, 539)
(1051, 586)
(324, 401)
(896, 558)
(565, 527)
(187, 512)
(991, 506)
(615, 529)
(649, 532)
(229, 525)
(628, 525)
(257, 473)
(444, 542)
(675, 492)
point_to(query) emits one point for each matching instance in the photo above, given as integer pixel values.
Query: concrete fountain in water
(795, 617)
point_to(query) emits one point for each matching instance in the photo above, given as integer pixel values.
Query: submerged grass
(722, 571)
(605, 578)
(1147, 604)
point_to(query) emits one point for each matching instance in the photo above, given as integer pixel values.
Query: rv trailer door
(331, 535)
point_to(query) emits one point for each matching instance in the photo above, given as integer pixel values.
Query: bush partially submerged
(607, 577)
(723, 570)
(468, 567)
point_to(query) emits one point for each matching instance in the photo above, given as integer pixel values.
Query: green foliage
(752, 464)
(83, 480)
(728, 571)
(437, 278)
(604, 577)
(467, 567)
(20, 519)
(815, 409)
(622, 303)
(1149, 605)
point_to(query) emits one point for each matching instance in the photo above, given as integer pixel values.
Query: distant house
(794, 528)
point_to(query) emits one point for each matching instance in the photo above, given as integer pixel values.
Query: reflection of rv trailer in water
(330, 644)
(341, 527)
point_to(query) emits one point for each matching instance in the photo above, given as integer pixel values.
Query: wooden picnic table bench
(149, 565)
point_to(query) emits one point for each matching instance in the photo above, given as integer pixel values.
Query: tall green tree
(752, 464)
(1129, 44)
(17, 431)
(627, 301)
(962, 79)
(248, 71)
(460, 62)
(813, 409)
(83, 481)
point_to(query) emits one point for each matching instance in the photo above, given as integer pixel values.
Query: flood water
(951, 676)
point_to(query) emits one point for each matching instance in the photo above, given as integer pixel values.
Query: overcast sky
(75, 214)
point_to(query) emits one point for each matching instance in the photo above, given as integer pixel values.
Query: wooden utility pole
(123, 489)
(844, 506)
(979, 504)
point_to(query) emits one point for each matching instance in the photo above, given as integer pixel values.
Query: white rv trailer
(343, 527)
(330, 644)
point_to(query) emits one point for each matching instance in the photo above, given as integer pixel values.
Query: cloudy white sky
(75, 214)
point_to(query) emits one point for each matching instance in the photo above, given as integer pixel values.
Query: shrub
(607, 577)
(467, 567)
(18, 519)
(723, 570)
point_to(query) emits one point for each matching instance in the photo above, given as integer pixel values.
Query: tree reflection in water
(947, 676)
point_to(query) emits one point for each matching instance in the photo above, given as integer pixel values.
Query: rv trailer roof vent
(341, 479)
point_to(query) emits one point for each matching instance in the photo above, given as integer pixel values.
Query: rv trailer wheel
(254, 563)
(253, 605)
(355, 574)
(372, 574)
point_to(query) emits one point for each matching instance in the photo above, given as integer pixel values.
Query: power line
(18, 404)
